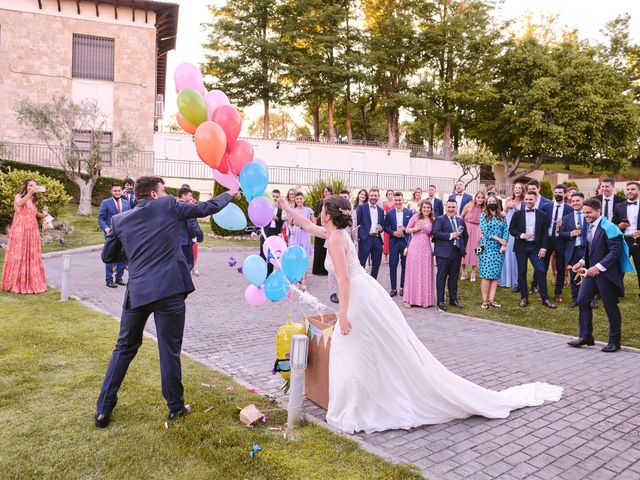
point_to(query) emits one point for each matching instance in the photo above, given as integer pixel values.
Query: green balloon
(192, 107)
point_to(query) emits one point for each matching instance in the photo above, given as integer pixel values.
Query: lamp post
(64, 286)
(298, 362)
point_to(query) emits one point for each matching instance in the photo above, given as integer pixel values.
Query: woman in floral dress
(419, 284)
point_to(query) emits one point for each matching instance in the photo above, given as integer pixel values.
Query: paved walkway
(593, 432)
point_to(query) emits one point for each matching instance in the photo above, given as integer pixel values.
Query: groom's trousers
(169, 314)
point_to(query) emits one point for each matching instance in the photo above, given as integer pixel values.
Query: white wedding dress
(382, 377)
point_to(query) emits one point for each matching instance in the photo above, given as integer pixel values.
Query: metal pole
(66, 267)
(298, 362)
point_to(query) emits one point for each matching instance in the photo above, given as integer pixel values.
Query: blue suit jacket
(607, 252)
(131, 198)
(568, 225)
(363, 218)
(147, 238)
(549, 210)
(466, 198)
(518, 226)
(438, 207)
(442, 230)
(108, 210)
(390, 225)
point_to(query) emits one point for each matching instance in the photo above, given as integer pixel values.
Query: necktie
(579, 224)
(555, 219)
(454, 228)
(632, 203)
(606, 208)
(531, 210)
(590, 234)
(118, 205)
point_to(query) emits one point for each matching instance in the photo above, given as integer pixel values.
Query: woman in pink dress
(471, 215)
(23, 271)
(419, 285)
(299, 236)
(388, 205)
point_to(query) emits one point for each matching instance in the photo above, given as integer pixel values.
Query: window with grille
(92, 57)
(81, 143)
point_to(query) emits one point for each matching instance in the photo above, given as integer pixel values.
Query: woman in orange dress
(23, 271)
(388, 205)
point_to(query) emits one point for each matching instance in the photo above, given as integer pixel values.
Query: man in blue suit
(574, 233)
(460, 197)
(159, 281)
(555, 212)
(189, 232)
(395, 223)
(128, 193)
(370, 218)
(605, 260)
(110, 207)
(436, 203)
(626, 216)
(450, 237)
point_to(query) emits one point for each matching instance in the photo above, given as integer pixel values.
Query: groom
(159, 282)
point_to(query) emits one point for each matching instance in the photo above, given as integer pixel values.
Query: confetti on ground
(254, 390)
(209, 409)
(166, 425)
(254, 450)
(232, 261)
(205, 385)
(230, 388)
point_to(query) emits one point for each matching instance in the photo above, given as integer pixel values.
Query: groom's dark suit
(448, 253)
(369, 243)
(159, 281)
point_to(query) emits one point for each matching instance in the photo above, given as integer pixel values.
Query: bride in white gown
(381, 376)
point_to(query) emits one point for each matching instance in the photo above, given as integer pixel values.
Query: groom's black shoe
(186, 410)
(101, 420)
(456, 303)
(121, 282)
(611, 347)
(393, 293)
(442, 307)
(111, 284)
(581, 341)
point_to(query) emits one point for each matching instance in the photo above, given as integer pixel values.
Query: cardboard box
(316, 379)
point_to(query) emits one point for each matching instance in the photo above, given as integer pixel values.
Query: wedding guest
(627, 218)
(450, 239)
(369, 219)
(606, 259)
(319, 250)
(608, 198)
(490, 189)
(189, 232)
(419, 278)
(194, 245)
(395, 224)
(286, 231)
(109, 208)
(569, 194)
(574, 232)
(529, 227)
(460, 196)
(389, 204)
(438, 207)
(361, 199)
(416, 198)
(274, 228)
(533, 185)
(127, 193)
(299, 236)
(471, 215)
(495, 236)
(23, 271)
(509, 277)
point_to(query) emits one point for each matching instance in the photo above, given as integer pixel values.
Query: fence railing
(281, 175)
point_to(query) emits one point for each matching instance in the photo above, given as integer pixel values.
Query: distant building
(112, 51)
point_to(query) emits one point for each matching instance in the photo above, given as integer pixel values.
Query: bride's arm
(338, 248)
(302, 221)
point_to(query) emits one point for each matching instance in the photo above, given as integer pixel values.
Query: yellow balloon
(283, 341)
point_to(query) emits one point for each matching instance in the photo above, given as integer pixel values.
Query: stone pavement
(592, 433)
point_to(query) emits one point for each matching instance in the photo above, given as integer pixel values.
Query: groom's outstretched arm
(202, 209)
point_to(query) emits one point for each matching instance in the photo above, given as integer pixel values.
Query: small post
(66, 267)
(298, 362)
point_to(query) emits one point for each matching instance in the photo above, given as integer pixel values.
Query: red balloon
(231, 122)
(211, 143)
(223, 166)
(184, 124)
(240, 155)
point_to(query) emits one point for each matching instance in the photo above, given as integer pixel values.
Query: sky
(587, 16)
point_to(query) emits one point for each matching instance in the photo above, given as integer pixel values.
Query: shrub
(244, 206)
(545, 189)
(55, 196)
(315, 190)
(570, 183)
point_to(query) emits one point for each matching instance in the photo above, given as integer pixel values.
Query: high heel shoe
(485, 305)
(495, 304)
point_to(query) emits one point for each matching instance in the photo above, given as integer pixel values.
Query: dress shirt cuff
(451, 236)
(543, 250)
(581, 262)
(600, 267)
(522, 236)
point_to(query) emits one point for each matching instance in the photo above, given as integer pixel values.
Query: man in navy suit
(189, 232)
(110, 207)
(128, 194)
(604, 275)
(370, 218)
(529, 228)
(608, 198)
(450, 238)
(436, 203)
(159, 281)
(555, 212)
(460, 197)
(627, 218)
(574, 233)
(395, 223)
(533, 185)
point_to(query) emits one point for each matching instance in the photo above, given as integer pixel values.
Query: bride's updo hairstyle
(339, 209)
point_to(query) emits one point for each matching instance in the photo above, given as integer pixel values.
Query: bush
(244, 206)
(315, 190)
(11, 184)
(545, 189)
(570, 183)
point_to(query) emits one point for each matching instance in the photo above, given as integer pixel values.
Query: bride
(381, 376)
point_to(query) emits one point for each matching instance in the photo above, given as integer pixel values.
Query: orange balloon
(211, 143)
(184, 124)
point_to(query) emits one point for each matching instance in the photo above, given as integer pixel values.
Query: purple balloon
(187, 75)
(215, 99)
(261, 211)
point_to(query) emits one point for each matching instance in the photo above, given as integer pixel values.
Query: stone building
(110, 51)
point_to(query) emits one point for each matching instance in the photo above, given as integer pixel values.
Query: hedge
(244, 206)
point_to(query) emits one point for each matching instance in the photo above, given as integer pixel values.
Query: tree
(243, 53)
(57, 123)
(471, 163)
(282, 126)
(620, 53)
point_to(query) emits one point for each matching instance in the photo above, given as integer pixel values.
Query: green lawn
(562, 320)
(631, 173)
(52, 359)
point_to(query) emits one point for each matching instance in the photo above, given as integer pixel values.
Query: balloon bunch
(215, 125)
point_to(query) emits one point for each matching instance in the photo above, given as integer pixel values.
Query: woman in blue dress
(509, 277)
(493, 244)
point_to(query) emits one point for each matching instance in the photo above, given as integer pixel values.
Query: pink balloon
(239, 155)
(231, 122)
(228, 180)
(223, 167)
(261, 211)
(274, 246)
(254, 295)
(215, 99)
(187, 75)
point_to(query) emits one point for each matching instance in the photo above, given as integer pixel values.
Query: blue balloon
(254, 269)
(230, 218)
(276, 286)
(253, 179)
(295, 263)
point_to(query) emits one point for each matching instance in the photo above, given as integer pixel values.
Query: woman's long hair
(357, 200)
(431, 216)
(23, 192)
(488, 213)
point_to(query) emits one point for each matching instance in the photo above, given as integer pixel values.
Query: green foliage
(315, 191)
(55, 197)
(569, 183)
(545, 189)
(244, 206)
(471, 163)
